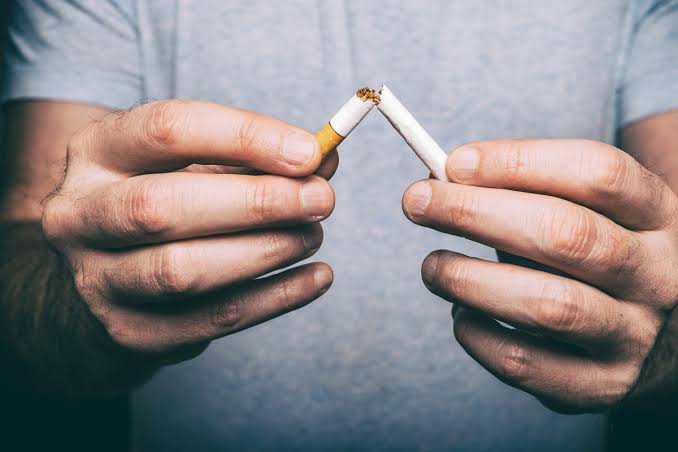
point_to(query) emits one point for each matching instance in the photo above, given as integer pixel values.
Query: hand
(605, 232)
(165, 258)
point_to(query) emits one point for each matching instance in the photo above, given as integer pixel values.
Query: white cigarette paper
(346, 119)
(414, 134)
(350, 115)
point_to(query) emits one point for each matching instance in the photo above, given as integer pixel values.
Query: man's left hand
(596, 239)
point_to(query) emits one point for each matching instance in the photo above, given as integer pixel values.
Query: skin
(117, 266)
(154, 239)
(588, 274)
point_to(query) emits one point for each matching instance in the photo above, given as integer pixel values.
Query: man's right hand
(167, 258)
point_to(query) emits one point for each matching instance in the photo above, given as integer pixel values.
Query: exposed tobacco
(366, 94)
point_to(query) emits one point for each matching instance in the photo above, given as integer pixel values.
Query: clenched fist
(592, 240)
(166, 221)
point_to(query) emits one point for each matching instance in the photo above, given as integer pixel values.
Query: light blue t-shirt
(372, 365)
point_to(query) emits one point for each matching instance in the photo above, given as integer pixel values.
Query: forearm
(48, 336)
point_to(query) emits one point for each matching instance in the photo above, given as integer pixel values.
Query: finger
(548, 230)
(539, 302)
(589, 173)
(527, 263)
(219, 169)
(541, 367)
(162, 207)
(162, 329)
(329, 165)
(187, 268)
(169, 135)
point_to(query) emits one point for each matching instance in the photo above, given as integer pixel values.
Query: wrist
(51, 343)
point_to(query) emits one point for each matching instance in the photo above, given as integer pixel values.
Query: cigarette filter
(346, 119)
(414, 134)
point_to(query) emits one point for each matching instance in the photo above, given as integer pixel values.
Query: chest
(525, 67)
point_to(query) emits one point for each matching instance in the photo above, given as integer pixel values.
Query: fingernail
(418, 198)
(428, 268)
(323, 279)
(312, 239)
(464, 163)
(315, 199)
(299, 148)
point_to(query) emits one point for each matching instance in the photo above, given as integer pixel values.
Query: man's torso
(373, 364)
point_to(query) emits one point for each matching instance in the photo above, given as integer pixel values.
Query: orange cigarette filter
(346, 119)
(328, 138)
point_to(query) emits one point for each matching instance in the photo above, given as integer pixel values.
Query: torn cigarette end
(414, 134)
(346, 119)
(366, 94)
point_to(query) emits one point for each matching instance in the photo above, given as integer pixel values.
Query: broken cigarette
(346, 119)
(414, 134)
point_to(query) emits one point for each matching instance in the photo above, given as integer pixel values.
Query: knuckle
(87, 282)
(79, 143)
(247, 132)
(170, 275)
(166, 122)
(665, 289)
(609, 173)
(54, 219)
(641, 332)
(614, 385)
(571, 233)
(227, 316)
(515, 363)
(285, 295)
(624, 255)
(262, 204)
(609, 396)
(121, 333)
(559, 308)
(146, 209)
(462, 208)
(117, 323)
(277, 245)
(516, 160)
